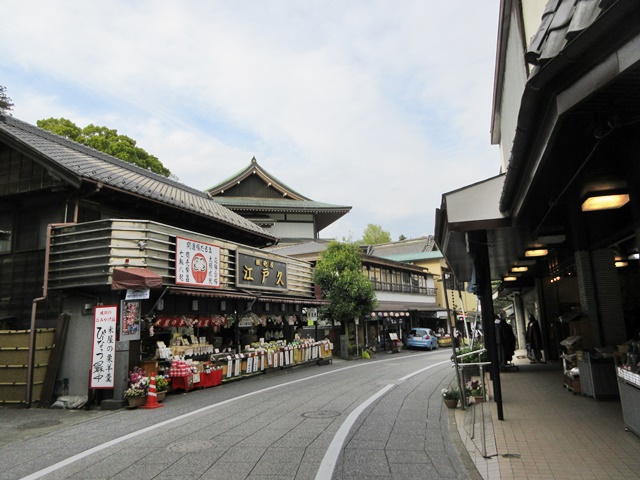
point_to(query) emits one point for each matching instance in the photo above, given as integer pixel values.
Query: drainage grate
(39, 424)
(321, 414)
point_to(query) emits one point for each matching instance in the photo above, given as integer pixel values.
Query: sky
(380, 105)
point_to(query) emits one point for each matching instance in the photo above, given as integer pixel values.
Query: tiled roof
(412, 257)
(255, 168)
(562, 21)
(411, 245)
(275, 204)
(77, 163)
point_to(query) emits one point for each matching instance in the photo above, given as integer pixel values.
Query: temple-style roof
(254, 190)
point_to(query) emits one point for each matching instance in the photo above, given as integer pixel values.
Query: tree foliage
(375, 235)
(6, 104)
(105, 140)
(339, 274)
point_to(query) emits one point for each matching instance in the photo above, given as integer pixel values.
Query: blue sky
(379, 105)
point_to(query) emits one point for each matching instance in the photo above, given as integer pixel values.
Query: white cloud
(379, 105)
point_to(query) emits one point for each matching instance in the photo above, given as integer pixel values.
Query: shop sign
(245, 322)
(260, 272)
(197, 263)
(105, 324)
(312, 316)
(137, 294)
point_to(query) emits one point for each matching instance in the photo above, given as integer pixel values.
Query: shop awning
(135, 278)
(405, 307)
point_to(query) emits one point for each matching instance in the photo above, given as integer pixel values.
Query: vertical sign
(105, 324)
(197, 263)
(130, 321)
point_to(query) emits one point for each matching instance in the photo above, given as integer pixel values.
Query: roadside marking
(325, 470)
(330, 459)
(115, 441)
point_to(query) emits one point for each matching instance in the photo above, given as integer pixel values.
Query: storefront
(194, 309)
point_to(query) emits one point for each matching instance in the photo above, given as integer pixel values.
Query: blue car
(422, 338)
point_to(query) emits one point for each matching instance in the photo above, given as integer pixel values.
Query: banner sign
(260, 272)
(197, 263)
(130, 320)
(105, 324)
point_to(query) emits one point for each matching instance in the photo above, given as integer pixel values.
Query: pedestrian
(534, 340)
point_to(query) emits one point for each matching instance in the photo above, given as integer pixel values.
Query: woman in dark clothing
(534, 340)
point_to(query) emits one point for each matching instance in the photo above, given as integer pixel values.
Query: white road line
(333, 452)
(115, 441)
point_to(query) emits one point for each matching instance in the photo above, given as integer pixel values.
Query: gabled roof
(253, 189)
(76, 164)
(254, 169)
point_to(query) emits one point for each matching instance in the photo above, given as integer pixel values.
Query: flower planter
(161, 395)
(451, 403)
(135, 402)
(478, 398)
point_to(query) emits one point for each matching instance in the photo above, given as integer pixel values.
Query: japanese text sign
(197, 263)
(260, 272)
(105, 324)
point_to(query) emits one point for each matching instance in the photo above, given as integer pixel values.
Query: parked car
(422, 338)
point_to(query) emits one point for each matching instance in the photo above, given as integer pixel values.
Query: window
(6, 231)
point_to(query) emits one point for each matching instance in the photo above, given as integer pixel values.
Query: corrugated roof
(78, 162)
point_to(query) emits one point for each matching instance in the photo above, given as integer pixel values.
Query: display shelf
(597, 376)
(629, 387)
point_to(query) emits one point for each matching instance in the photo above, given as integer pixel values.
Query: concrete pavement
(547, 433)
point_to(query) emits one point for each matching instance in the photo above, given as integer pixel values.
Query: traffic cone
(152, 396)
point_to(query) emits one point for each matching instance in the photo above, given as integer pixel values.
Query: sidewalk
(547, 432)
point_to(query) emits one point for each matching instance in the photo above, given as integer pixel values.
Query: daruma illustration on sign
(199, 267)
(197, 263)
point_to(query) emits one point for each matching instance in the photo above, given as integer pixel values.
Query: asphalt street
(379, 418)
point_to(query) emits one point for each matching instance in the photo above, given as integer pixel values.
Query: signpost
(105, 319)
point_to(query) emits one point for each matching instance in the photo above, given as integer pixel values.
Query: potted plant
(476, 391)
(450, 396)
(162, 385)
(138, 385)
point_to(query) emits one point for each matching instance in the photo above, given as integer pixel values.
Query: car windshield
(418, 333)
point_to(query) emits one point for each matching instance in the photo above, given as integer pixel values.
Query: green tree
(105, 140)
(349, 293)
(401, 238)
(5, 102)
(375, 235)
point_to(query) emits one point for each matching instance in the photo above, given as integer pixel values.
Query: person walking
(534, 340)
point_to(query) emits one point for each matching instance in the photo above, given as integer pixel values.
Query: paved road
(381, 418)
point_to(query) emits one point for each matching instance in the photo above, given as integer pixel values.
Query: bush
(479, 357)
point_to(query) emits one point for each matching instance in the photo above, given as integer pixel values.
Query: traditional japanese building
(88, 238)
(258, 196)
